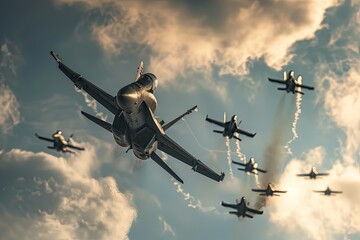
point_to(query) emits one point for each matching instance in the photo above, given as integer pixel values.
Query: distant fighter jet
(135, 125)
(269, 191)
(60, 144)
(250, 167)
(312, 174)
(291, 83)
(241, 208)
(328, 192)
(230, 127)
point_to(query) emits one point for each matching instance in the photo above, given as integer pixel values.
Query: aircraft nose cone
(127, 97)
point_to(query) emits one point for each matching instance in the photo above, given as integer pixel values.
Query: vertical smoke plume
(228, 155)
(91, 103)
(294, 124)
(274, 153)
(240, 155)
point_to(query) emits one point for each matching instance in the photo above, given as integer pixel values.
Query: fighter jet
(312, 174)
(328, 192)
(230, 127)
(269, 191)
(60, 144)
(250, 167)
(241, 208)
(135, 125)
(292, 85)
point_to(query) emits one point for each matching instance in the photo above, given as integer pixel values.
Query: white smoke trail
(294, 123)
(240, 155)
(91, 103)
(192, 201)
(227, 142)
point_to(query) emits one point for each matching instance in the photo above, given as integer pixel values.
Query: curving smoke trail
(240, 155)
(192, 201)
(228, 155)
(295, 121)
(91, 103)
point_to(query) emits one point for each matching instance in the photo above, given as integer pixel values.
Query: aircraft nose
(127, 97)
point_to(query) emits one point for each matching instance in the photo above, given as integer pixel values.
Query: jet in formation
(230, 127)
(269, 191)
(241, 208)
(313, 174)
(291, 85)
(60, 144)
(135, 125)
(329, 192)
(250, 167)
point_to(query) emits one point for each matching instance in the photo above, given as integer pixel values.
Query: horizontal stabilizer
(249, 216)
(162, 164)
(98, 121)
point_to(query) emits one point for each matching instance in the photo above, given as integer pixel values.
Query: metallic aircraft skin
(329, 192)
(134, 125)
(291, 84)
(241, 208)
(268, 191)
(313, 174)
(230, 128)
(250, 167)
(60, 144)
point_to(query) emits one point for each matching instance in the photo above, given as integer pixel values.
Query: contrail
(294, 124)
(274, 154)
(91, 103)
(227, 142)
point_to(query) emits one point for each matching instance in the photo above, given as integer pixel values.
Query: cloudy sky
(216, 55)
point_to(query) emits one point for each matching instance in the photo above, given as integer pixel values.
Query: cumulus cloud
(43, 197)
(183, 39)
(301, 211)
(9, 114)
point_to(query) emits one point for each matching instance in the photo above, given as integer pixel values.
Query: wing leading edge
(97, 93)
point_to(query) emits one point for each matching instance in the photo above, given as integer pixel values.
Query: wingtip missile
(55, 56)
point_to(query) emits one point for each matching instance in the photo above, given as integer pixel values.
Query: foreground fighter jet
(328, 192)
(312, 174)
(269, 191)
(241, 208)
(230, 127)
(250, 167)
(291, 83)
(134, 125)
(60, 143)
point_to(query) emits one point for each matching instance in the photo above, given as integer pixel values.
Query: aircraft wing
(254, 210)
(277, 81)
(221, 124)
(169, 146)
(239, 163)
(245, 133)
(229, 205)
(258, 190)
(44, 138)
(80, 82)
(319, 191)
(336, 191)
(278, 191)
(303, 175)
(74, 147)
(323, 174)
(260, 170)
(304, 86)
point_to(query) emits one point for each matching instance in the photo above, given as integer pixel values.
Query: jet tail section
(98, 121)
